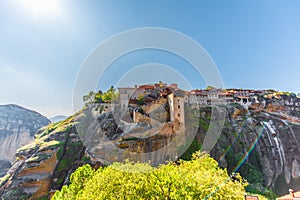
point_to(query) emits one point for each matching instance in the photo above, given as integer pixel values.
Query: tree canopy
(200, 178)
(101, 97)
(210, 87)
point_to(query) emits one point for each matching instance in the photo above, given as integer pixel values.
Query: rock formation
(17, 128)
(44, 165)
(263, 147)
(261, 142)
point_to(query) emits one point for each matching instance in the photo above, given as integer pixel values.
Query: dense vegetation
(101, 97)
(200, 178)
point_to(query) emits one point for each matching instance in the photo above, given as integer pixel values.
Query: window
(178, 106)
(178, 100)
(178, 115)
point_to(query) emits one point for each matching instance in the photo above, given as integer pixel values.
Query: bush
(260, 190)
(78, 180)
(200, 178)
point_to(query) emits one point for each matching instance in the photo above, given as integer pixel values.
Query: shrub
(200, 178)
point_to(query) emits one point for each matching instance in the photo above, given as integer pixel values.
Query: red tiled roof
(146, 86)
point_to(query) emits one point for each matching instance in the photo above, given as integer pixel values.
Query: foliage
(4, 179)
(89, 97)
(109, 96)
(78, 180)
(260, 190)
(210, 88)
(101, 109)
(293, 95)
(247, 170)
(285, 93)
(140, 99)
(85, 159)
(41, 138)
(98, 96)
(200, 178)
(250, 170)
(204, 123)
(101, 97)
(188, 154)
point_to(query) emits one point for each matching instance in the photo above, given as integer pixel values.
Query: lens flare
(42, 8)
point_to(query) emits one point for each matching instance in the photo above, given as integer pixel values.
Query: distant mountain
(17, 128)
(58, 118)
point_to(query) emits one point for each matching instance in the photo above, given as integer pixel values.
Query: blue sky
(255, 44)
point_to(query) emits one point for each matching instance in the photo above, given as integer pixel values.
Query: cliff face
(17, 127)
(261, 142)
(45, 164)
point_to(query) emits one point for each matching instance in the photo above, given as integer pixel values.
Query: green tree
(110, 95)
(89, 97)
(78, 180)
(200, 178)
(210, 88)
(140, 99)
(293, 95)
(98, 97)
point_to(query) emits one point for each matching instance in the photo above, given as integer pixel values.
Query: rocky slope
(44, 164)
(17, 128)
(261, 142)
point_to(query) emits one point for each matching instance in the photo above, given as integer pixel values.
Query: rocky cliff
(44, 165)
(17, 128)
(261, 142)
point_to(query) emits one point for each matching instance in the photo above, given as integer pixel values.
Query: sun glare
(42, 8)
